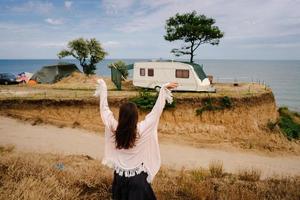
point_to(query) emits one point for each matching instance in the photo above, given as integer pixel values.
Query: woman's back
(131, 155)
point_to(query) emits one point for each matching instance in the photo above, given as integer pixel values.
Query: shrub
(208, 106)
(216, 169)
(226, 102)
(287, 123)
(289, 127)
(249, 174)
(145, 100)
(199, 174)
(6, 149)
(211, 105)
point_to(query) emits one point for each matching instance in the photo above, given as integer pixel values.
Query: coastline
(283, 76)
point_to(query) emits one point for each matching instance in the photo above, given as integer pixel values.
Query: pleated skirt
(132, 188)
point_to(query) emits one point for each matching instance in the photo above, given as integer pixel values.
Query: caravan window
(182, 73)
(142, 72)
(150, 72)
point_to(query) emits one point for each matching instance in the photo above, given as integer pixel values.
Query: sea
(283, 76)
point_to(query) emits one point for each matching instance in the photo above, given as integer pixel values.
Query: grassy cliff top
(78, 86)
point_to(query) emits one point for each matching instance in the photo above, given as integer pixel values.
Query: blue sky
(256, 29)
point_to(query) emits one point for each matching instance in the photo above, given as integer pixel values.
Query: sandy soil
(51, 139)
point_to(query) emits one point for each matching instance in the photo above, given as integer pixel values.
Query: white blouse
(145, 155)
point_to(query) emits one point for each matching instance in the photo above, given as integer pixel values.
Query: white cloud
(236, 18)
(112, 7)
(68, 4)
(264, 25)
(34, 6)
(163, 10)
(155, 4)
(111, 44)
(54, 21)
(272, 45)
(35, 44)
(52, 44)
(8, 29)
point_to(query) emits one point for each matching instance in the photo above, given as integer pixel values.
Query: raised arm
(151, 120)
(106, 114)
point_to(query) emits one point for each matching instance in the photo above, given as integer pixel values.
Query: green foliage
(121, 66)
(212, 105)
(208, 106)
(88, 52)
(194, 30)
(287, 123)
(226, 102)
(146, 101)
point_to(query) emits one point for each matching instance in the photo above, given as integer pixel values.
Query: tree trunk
(192, 57)
(192, 52)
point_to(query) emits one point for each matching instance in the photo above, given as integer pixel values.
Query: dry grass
(216, 169)
(6, 149)
(80, 86)
(48, 176)
(249, 174)
(35, 176)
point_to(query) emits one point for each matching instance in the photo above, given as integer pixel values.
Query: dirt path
(51, 139)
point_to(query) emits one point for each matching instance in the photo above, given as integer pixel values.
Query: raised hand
(172, 85)
(100, 86)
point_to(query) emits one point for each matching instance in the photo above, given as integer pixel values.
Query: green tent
(54, 73)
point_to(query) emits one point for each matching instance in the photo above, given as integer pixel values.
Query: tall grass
(216, 169)
(48, 176)
(249, 174)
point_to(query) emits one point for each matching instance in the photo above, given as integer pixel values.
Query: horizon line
(249, 59)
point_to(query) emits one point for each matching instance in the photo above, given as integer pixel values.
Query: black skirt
(132, 188)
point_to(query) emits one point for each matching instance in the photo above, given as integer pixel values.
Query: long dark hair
(126, 132)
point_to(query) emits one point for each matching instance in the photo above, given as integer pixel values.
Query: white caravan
(189, 76)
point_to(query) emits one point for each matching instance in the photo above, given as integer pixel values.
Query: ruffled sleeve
(106, 114)
(151, 120)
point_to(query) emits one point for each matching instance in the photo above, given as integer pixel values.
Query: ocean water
(282, 76)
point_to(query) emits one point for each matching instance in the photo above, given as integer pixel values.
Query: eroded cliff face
(247, 117)
(243, 125)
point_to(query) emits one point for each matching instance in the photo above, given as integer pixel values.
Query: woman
(131, 147)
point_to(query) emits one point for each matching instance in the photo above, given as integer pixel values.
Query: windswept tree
(194, 30)
(88, 52)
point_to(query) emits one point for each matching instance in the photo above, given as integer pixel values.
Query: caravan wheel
(157, 88)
